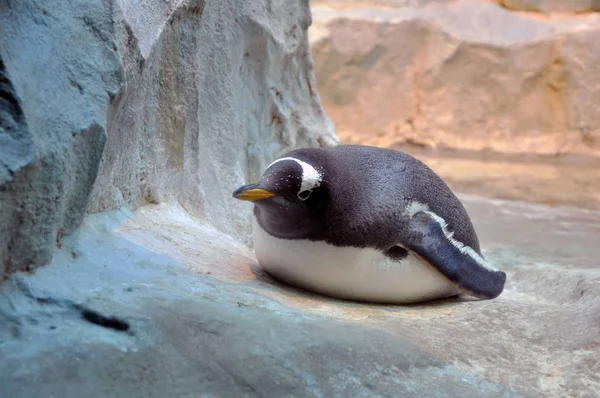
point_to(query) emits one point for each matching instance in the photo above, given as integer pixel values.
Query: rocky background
(501, 98)
(125, 126)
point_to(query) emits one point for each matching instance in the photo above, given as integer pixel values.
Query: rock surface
(552, 6)
(119, 103)
(544, 6)
(202, 319)
(58, 69)
(553, 181)
(466, 75)
(215, 91)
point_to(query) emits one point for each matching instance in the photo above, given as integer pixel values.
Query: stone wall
(108, 104)
(468, 75)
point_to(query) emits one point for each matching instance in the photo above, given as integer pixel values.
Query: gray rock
(156, 304)
(215, 91)
(59, 69)
(117, 103)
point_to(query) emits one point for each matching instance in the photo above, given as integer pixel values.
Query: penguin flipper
(462, 265)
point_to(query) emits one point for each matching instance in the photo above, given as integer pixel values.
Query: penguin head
(290, 196)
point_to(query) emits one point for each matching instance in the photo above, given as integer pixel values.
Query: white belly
(349, 272)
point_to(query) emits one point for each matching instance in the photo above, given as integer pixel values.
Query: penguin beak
(252, 193)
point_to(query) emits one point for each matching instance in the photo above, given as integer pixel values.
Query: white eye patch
(311, 178)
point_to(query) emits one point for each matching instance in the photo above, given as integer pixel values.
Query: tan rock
(466, 75)
(544, 6)
(552, 6)
(350, 4)
(549, 180)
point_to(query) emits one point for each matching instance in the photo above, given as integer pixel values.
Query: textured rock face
(203, 319)
(545, 6)
(59, 68)
(552, 6)
(120, 103)
(465, 75)
(215, 91)
(349, 4)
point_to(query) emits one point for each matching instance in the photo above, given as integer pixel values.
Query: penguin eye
(303, 195)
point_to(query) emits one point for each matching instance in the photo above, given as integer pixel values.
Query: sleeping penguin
(367, 224)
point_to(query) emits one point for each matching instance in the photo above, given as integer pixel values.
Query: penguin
(368, 224)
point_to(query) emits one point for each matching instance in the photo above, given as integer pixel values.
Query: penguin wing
(463, 266)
